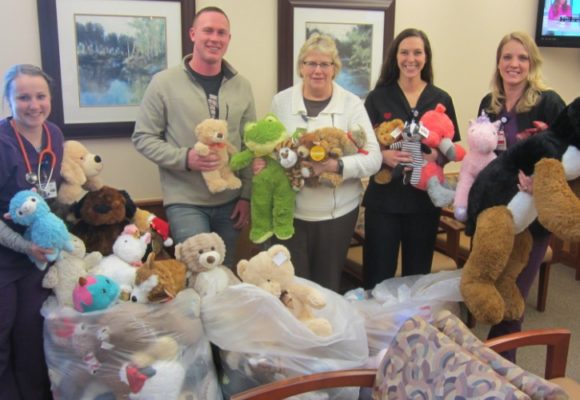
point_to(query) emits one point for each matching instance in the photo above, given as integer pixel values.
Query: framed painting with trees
(362, 30)
(102, 56)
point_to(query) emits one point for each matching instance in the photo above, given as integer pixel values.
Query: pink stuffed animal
(482, 139)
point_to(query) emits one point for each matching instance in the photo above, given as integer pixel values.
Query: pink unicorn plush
(482, 141)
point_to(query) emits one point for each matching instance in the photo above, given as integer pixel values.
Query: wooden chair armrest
(307, 383)
(359, 237)
(557, 340)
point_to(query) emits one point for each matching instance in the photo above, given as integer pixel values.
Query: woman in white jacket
(325, 217)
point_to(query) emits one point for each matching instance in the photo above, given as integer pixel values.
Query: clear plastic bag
(130, 351)
(394, 300)
(260, 341)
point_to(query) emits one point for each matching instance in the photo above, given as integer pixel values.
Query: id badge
(49, 191)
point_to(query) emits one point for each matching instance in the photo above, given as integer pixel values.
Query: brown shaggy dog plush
(103, 215)
(501, 240)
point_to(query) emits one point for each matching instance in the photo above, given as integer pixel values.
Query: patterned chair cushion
(424, 362)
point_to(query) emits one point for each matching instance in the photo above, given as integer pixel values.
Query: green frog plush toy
(272, 199)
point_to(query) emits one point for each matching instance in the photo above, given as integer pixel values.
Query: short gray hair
(323, 44)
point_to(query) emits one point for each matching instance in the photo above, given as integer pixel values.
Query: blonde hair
(323, 44)
(535, 83)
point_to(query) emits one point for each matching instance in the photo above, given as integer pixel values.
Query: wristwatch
(340, 166)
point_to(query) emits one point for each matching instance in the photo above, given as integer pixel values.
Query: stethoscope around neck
(31, 176)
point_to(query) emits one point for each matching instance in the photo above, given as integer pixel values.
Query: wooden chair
(354, 260)
(308, 383)
(556, 340)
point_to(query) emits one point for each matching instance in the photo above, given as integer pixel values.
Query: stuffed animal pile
(499, 215)
(272, 196)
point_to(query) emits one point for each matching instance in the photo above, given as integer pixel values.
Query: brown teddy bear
(158, 281)
(273, 271)
(387, 133)
(203, 254)
(102, 214)
(79, 171)
(212, 137)
(330, 142)
(499, 215)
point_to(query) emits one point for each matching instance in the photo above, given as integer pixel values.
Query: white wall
(463, 33)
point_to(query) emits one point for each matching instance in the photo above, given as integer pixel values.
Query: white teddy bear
(65, 273)
(128, 251)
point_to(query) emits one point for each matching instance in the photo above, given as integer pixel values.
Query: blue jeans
(188, 220)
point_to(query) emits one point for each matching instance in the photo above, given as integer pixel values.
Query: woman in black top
(399, 215)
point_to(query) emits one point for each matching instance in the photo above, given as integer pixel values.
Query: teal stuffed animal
(272, 195)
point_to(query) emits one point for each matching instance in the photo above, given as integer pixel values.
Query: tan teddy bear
(212, 137)
(330, 142)
(273, 271)
(79, 171)
(387, 133)
(203, 254)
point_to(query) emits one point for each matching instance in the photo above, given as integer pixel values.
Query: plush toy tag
(48, 191)
(423, 131)
(317, 153)
(395, 133)
(279, 258)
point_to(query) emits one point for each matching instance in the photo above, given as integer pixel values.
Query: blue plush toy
(94, 293)
(45, 229)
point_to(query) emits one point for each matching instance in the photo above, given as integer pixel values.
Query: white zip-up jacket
(344, 111)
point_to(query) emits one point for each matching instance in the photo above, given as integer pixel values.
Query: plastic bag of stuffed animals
(394, 300)
(130, 351)
(260, 341)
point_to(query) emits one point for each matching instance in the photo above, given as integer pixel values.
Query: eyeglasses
(311, 65)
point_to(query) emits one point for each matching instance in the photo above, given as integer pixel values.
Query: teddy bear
(66, 271)
(499, 214)
(212, 137)
(330, 142)
(80, 171)
(203, 254)
(161, 279)
(155, 373)
(44, 228)
(272, 198)
(482, 141)
(103, 214)
(387, 133)
(121, 266)
(272, 270)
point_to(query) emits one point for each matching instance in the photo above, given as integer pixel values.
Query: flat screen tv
(558, 28)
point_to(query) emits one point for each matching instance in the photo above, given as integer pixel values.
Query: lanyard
(31, 177)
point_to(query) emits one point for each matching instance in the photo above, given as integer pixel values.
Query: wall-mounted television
(558, 23)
